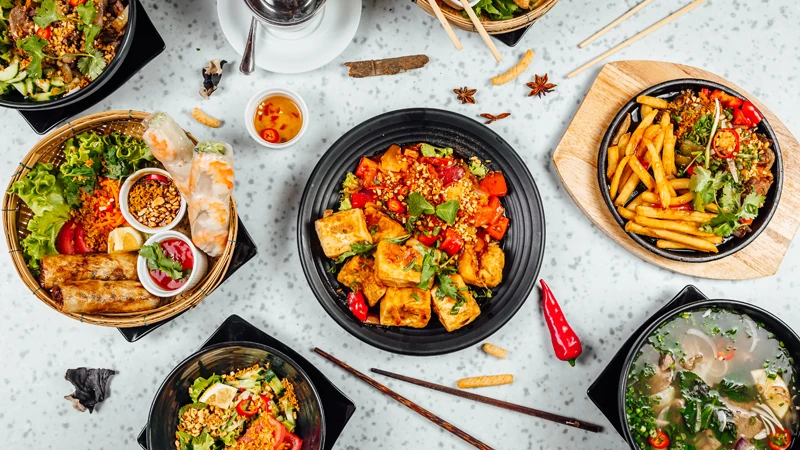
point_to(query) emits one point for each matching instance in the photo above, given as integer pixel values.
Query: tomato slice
(280, 430)
(498, 229)
(780, 439)
(361, 198)
(80, 240)
(660, 440)
(295, 442)
(452, 243)
(271, 135)
(394, 205)
(65, 242)
(428, 239)
(495, 184)
(486, 215)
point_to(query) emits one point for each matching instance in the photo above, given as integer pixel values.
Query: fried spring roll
(99, 297)
(60, 269)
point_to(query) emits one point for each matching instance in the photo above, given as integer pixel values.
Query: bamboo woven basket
(492, 26)
(16, 216)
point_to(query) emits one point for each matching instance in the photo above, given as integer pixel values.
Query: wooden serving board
(575, 159)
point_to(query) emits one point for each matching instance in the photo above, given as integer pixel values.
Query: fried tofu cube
(397, 265)
(485, 270)
(358, 273)
(339, 230)
(381, 226)
(406, 307)
(451, 316)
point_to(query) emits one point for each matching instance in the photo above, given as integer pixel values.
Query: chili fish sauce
(179, 251)
(278, 119)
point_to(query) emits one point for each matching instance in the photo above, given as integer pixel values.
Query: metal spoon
(248, 64)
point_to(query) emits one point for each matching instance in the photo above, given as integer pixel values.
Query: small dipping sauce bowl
(152, 207)
(168, 240)
(276, 118)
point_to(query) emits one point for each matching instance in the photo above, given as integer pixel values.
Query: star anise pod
(466, 95)
(493, 118)
(540, 86)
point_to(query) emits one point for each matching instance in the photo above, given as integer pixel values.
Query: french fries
(613, 161)
(698, 243)
(674, 214)
(626, 213)
(623, 141)
(641, 172)
(662, 186)
(617, 175)
(621, 131)
(651, 197)
(669, 245)
(680, 227)
(627, 189)
(645, 110)
(637, 135)
(653, 102)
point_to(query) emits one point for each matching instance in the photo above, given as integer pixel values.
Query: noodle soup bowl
(199, 266)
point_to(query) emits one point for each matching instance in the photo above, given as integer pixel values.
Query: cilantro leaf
(750, 206)
(448, 211)
(93, 65)
(47, 14)
(6, 4)
(90, 33)
(87, 12)
(429, 269)
(33, 46)
(705, 186)
(398, 240)
(417, 205)
(158, 260)
(359, 248)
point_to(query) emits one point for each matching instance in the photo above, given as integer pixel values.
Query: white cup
(199, 268)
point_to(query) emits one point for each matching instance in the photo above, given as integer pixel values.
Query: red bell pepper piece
(726, 99)
(450, 174)
(452, 243)
(495, 184)
(357, 305)
(705, 92)
(361, 198)
(394, 205)
(487, 215)
(76, 2)
(752, 114)
(740, 119)
(566, 343)
(428, 239)
(498, 229)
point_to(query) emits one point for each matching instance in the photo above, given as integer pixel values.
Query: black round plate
(782, 331)
(523, 244)
(221, 359)
(14, 100)
(668, 90)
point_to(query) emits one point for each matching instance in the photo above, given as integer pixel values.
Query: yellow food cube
(406, 307)
(381, 226)
(338, 231)
(451, 316)
(485, 270)
(358, 273)
(397, 265)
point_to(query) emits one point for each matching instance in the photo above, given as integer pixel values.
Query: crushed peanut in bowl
(154, 201)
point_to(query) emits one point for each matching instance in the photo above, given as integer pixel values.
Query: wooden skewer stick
(445, 24)
(642, 34)
(408, 403)
(494, 402)
(482, 31)
(619, 20)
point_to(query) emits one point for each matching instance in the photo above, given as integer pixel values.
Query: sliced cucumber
(43, 97)
(43, 84)
(10, 72)
(289, 421)
(20, 76)
(21, 87)
(57, 81)
(29, 86)
(274, 382)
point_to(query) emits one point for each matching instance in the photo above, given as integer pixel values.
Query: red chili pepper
(660, 440)
(495, 184)
(267, 404)
(271, 135)
(157, 177)
(361, 198)
(394, 205)
(740, 119)
(780, 439)
(690, 169)
(452, 243)
(751, 113)
(726, 143)
(726, 356)
(746, 221)
(44, 33)
(566, 343)
(242, 408)
(357, 305)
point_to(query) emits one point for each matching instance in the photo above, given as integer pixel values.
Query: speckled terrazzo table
(606, 291)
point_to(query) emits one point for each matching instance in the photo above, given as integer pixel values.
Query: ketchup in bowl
(179, 251)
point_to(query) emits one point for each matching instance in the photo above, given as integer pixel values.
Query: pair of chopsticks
(475, 22)
(694, 4)
(478, 398)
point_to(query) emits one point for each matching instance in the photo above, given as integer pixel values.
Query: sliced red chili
(44, 33)
(76, 2)
(726, 143)
(271, 135)
(357, 305)
(660, 440)
(779, 440)
(247, 408)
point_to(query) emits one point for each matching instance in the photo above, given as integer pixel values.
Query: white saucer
(332, 35)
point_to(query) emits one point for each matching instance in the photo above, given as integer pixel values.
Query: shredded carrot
(99, 213)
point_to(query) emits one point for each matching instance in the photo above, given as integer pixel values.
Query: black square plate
(512, 38)
(245, 251)
(146, 45)
(338, 408)
(599, 392)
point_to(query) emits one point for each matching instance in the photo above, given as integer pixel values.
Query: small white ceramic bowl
(250, 113)
(125, 190)
(198, 270)
(457, 3)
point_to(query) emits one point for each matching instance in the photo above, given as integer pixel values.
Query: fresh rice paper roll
(170, 145)
(211, 185)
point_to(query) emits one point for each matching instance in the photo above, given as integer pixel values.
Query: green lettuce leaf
(201, 384)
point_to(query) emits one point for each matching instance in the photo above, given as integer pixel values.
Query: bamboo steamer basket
(16, 216)
(492, 26)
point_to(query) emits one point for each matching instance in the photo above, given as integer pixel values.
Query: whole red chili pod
(566, 343)
(357, 305)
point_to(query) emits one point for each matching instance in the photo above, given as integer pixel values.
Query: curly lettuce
(201, 384)
(495, 9)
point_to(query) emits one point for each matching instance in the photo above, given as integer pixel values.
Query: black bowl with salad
(56, 52)
(725, 170)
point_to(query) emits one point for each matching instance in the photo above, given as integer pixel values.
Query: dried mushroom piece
(212, 75)
(91, 387)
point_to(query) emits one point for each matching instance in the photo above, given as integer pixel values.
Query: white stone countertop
(606, 291)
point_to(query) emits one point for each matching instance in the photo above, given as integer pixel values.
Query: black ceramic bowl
(14, 100)
(775, 325)
(523, 243)
(668, 90)
(223, 358)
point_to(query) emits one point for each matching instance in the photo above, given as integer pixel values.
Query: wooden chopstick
(642, 34)
(494, 402)
(445, 24)
(408, 403)
(619, 20)
(482, 31)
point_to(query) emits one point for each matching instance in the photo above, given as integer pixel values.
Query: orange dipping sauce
(278, 119)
